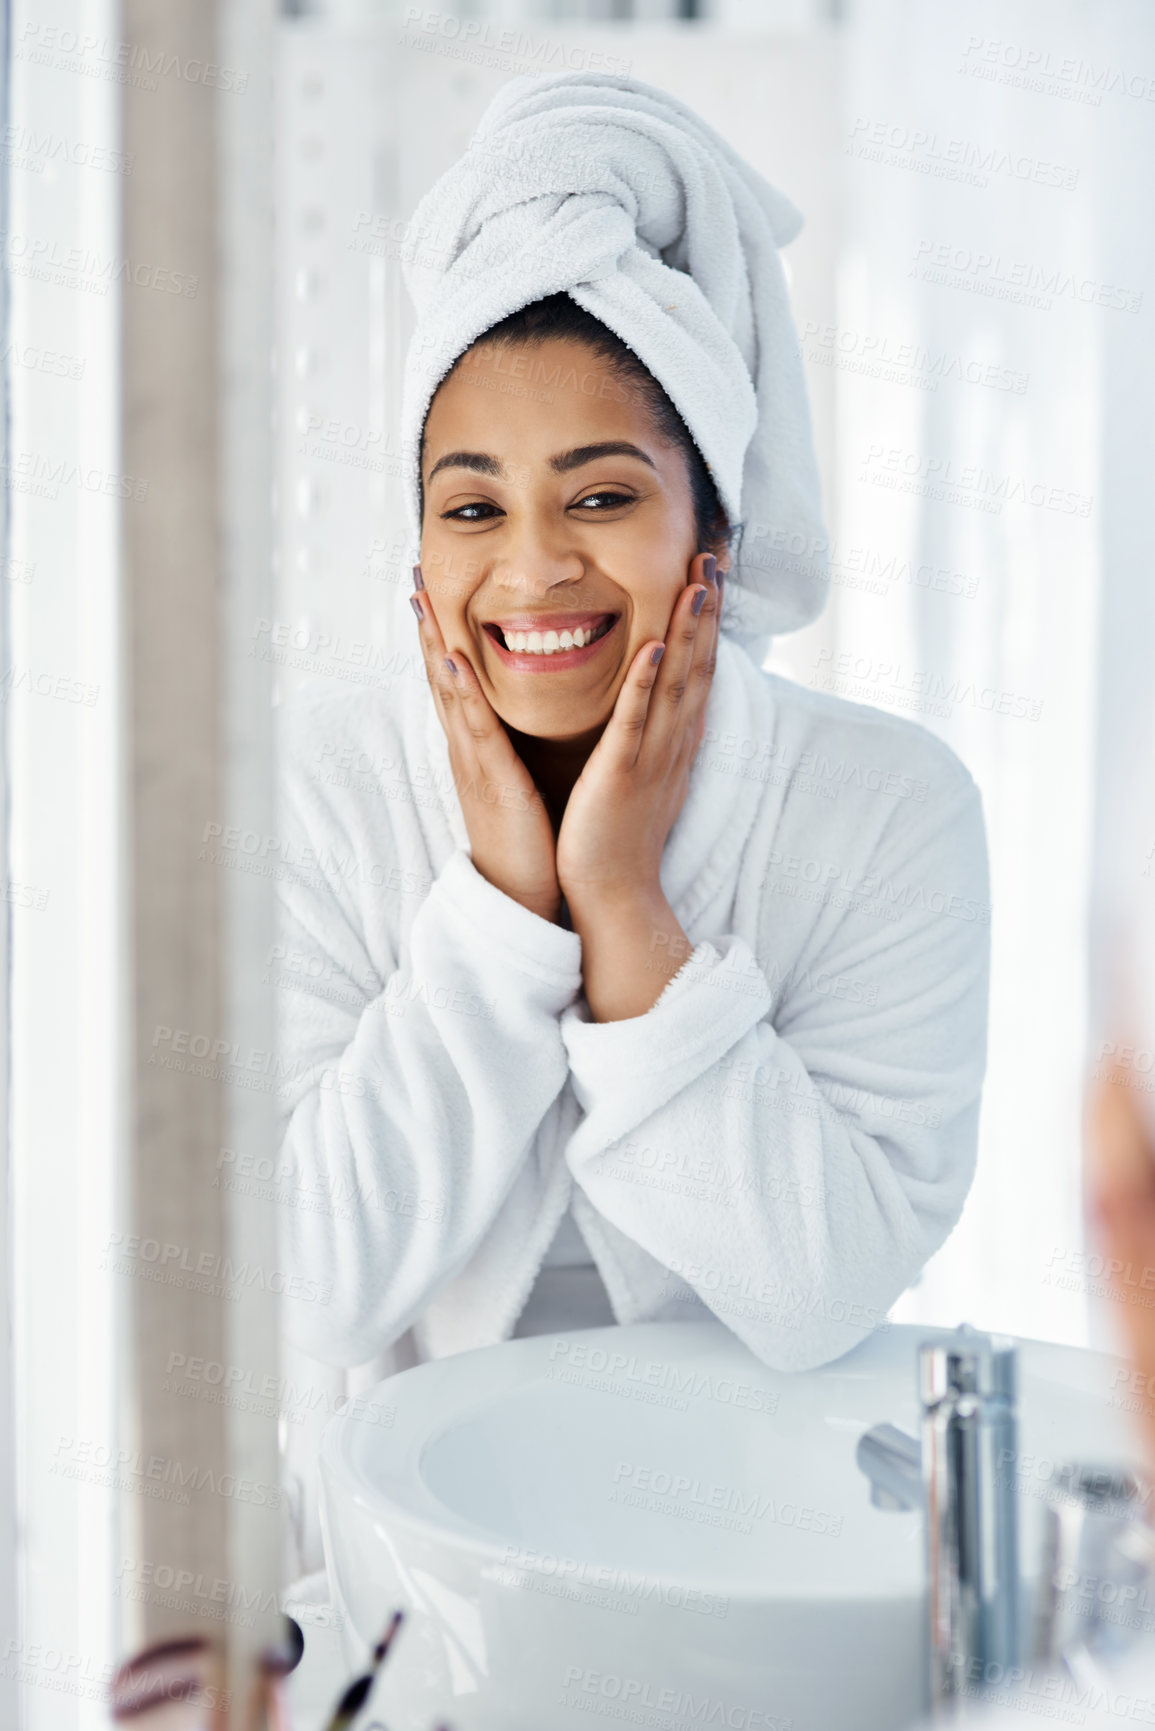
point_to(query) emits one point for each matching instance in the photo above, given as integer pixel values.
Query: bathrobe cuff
(715, 998)
(482, 921)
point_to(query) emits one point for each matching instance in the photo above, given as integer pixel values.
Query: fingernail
(656, 654)
(418, 581)
(452, 665)
(709, 567)
(699, 601)
(418, 607)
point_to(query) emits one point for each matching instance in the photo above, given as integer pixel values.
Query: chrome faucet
(955, 1472)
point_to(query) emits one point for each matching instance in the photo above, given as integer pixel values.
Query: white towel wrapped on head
(617, 193)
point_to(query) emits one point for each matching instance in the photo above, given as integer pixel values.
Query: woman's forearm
(632, 946)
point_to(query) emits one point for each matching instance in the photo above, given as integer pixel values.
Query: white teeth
(547, 642)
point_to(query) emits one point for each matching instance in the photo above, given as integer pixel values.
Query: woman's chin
(539, 706)
(557, 721)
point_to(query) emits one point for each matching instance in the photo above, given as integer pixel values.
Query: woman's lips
(530, 661)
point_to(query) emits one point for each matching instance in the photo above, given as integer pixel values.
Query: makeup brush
(357, 1693)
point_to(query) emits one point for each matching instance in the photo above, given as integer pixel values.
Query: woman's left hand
(633, 786)
(624, 805)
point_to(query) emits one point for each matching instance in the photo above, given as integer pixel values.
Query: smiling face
(557, 534)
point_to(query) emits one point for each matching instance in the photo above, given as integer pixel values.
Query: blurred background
(973, 291)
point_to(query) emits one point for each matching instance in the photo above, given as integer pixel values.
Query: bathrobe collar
(705, 846)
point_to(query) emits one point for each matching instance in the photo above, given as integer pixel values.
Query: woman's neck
(555, 765)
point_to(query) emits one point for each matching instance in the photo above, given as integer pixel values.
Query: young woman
(629, 981)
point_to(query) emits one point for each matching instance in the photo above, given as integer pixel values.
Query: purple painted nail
(452, 666)
(656, 654)
(709, 567)
(699, 601)
(417, 605)
(418, 580)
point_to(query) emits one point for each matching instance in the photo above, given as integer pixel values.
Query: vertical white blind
(84, 1592)
(60, 701)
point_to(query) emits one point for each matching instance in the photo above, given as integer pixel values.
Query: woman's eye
(612, 498)
(479, 511)
(459, 513)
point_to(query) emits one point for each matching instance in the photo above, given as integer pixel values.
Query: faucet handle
(892, 1461)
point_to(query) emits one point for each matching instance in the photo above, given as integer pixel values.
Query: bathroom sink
(647, 1525)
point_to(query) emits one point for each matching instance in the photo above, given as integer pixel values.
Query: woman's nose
(540, 555)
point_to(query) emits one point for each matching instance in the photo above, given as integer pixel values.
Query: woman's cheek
(659, 617)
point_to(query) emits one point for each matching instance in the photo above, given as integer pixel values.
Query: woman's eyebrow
(478, 461)
(587, 453)
(481, 463)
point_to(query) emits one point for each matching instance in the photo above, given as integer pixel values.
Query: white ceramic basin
(646, 1525)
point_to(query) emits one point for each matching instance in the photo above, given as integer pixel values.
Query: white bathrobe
(783, 1139)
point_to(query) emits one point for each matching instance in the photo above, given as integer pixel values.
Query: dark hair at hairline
(559, 316)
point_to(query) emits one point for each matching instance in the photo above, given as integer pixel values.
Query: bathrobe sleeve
(415, 1088)
(793, 1142)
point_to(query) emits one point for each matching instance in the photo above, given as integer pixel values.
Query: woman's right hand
(510, 836)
